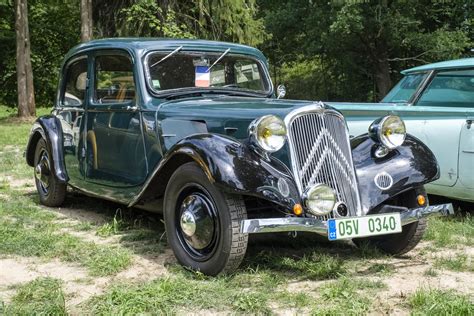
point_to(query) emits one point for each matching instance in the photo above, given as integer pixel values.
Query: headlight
(268, 132)
(389, 130)
(320, 199)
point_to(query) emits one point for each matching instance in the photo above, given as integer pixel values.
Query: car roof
(145, 44)
(449, 64)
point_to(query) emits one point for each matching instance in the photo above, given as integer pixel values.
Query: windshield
(405, 89)
(224, 70)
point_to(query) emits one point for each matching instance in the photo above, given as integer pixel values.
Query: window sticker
(203, 76)
(156, 84)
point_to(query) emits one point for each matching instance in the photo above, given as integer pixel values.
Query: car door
(447, 102)
(70, 111)
(115, 153)
(466, 153)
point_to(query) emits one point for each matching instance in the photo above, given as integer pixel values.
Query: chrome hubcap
(196, 221)
(188, 223)
(42, 171)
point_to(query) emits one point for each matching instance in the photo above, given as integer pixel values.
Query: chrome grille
(320, 153)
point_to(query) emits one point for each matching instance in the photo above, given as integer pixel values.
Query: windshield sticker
(203, 76)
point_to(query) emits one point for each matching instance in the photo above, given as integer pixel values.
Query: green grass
(346, 296)
(42, 296)
(29, 230)
(438, 302)
(458, 262)
(451, 231)
(181, 291)
(315, 265)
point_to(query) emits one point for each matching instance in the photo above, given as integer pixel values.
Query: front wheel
(400, 243)
(203, 223)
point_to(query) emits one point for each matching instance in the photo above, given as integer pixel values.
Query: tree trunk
(86, 20)
(30, 88)
(382, 69)
(23, 110)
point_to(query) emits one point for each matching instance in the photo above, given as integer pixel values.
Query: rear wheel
(51, 191)
(398, 244)
(203, 223)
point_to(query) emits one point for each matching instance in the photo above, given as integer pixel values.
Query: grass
(451, 231)
(438, 302)
(42, 296)
(181, 291)
(458, 262)
(29, 230)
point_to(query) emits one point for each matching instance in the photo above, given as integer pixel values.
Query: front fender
(49, 128)
(232, 166)
(411, 165)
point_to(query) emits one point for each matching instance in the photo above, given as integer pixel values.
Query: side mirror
(281, 91)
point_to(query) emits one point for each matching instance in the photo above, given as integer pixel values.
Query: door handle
(469, 122)
(131, 108)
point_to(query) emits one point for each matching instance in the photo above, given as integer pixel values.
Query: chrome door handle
(469, 122)
(131, 108)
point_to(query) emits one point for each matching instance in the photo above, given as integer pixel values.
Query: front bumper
(306, 224)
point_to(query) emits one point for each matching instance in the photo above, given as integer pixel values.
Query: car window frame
(165, 93)
(432, 76)
(62, 85)
(92, 104)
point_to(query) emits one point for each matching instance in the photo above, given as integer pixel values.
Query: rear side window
(113, 79)
(75, 86)
(450, 89)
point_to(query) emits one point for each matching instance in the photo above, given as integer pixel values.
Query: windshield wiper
(219, 59)
(167, 56)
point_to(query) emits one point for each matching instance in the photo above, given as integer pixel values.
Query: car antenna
(167, 56)
(219, 59)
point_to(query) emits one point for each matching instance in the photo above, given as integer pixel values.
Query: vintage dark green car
(193, 129)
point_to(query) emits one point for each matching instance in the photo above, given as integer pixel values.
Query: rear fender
(49, 128)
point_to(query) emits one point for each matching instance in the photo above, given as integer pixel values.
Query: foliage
(438, 302)
(362, 45)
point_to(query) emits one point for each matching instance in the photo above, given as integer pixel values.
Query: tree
(86, 20)
(25, 86)
(360, 46)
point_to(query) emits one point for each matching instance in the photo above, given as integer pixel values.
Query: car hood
(227, 107)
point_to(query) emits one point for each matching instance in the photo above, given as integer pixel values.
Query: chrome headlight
(389, 130)
(268, 132)
(319, 199)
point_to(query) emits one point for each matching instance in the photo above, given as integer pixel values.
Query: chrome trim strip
(413, 215)
(318, 226)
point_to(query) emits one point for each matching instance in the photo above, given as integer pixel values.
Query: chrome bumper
(304, 224)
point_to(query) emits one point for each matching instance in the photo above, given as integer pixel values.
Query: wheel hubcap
(42, 171)
(188, 223)
(197, 223)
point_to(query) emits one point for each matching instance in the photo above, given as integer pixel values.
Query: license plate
(348, 228)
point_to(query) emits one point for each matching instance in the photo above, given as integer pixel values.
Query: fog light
(319, 199)
(421, 200)
(297, 209)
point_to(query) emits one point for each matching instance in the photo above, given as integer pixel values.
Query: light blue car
(436, 102)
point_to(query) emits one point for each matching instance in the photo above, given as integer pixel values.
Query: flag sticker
(203, 76)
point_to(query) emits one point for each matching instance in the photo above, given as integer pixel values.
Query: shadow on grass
(308, 256)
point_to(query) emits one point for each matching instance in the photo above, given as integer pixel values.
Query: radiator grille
(320, 153)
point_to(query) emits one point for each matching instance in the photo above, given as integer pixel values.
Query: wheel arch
(49, 128)
(229, 164)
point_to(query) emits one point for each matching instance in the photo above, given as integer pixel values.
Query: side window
(113, 79)
(75, 86)
(454, 88)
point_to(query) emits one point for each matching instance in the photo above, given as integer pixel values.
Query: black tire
(401, 243)
(223, 247)
(51, 191)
